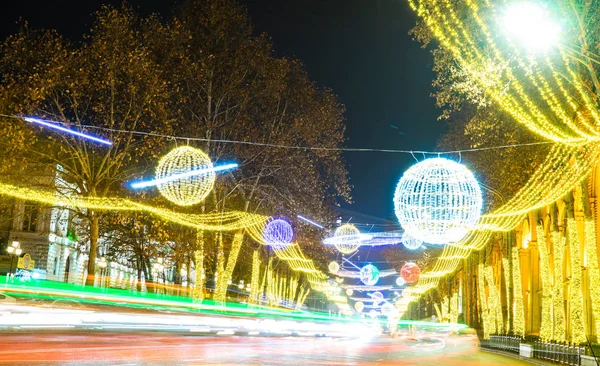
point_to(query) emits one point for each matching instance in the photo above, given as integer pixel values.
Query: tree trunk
(198, 293)
(138, 285)
(94, 228)
(236, 245)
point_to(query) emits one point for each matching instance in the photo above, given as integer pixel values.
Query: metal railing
(505, 343)
(564, 353)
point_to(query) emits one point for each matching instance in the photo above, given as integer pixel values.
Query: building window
(30, 217)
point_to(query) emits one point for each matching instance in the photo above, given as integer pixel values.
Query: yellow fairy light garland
(547, 286)
(558, 308)
(578, 333)
(518, 310)
(592, 270)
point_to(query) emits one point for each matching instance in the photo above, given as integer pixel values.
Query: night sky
(359, 48)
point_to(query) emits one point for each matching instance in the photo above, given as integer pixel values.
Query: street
(102, 348)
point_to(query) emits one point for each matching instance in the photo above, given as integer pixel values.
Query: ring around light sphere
(347, 239)
(359, 306)
(410, 272)
(411, 243)
(369, 275)
(278, 233)
(185, 191)
(438, 201)
(334, 267)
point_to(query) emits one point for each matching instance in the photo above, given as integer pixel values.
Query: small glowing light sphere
(334, 267)
(359, 306)
(387, 309)
(349, 292)
(339, 279)
(278, 233)
(532, 25)
(400, 281)
(369, 275)
(410, 272)
(373, 313)
(347, 239)
(438, 201)
(185, 191)
(377, 297)
(411, 243)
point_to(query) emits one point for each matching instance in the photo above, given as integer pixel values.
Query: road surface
(143, 348)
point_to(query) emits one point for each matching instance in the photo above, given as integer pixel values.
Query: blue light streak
(55, 126)
(191, 173)
(310, 222)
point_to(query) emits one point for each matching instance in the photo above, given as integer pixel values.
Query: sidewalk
(533, 361)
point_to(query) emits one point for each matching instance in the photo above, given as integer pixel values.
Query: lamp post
(13, 250)
(102, 264)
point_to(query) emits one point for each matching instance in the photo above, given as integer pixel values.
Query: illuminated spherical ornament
(190, 190)
(278, 233)
(400, 281)
(369, 275)
(359, 306)
(411, 243)
(349, 292)
(347, 239)
(339, 279)
(373, 313)
(334, 267)
(410, 272)
(387, 309)
(438, 201)
(377, 297)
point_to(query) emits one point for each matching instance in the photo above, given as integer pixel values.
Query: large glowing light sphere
(347, 239)
(411, 243)
(377, 297)
(410, 272)
(387, 309)
(189, 190)
(334, 267)
(359, 306)
(278, 233)
(438, 201)
(369, 275)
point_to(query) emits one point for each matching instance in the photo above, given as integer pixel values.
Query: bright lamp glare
(188, 174)
(532, 25)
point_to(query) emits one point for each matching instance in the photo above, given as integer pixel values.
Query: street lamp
(13, 250)
(532, 25)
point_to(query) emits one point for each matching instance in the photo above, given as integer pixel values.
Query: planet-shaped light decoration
(369, 275)
(387, 309)
(346, 239)
(359, 306)
(278, 233)
(334, 267)
(411, 243)
(438, 201)
(377, 297)
(400, 281)
(349, 292)
(187, 190)
(410, 272)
